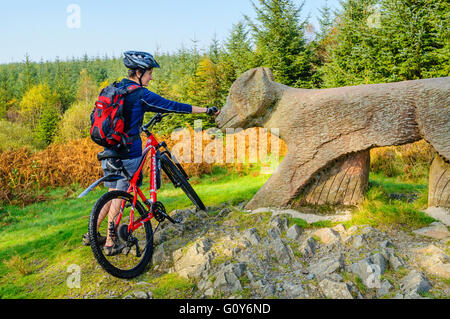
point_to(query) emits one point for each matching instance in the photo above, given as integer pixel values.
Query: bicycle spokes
(123, 249)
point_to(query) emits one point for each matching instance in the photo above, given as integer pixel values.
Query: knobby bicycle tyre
(98, 249)
(177, 177)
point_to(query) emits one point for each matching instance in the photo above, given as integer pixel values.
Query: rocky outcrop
(329, 133)
(270, 257)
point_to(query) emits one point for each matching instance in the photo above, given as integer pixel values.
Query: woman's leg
(112, 214)
(104, 211)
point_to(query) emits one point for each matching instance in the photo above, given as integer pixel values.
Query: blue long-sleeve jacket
(135, 106)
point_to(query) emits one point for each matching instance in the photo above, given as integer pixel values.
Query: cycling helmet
(139, 60)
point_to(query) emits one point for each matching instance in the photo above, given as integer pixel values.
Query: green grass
(379, 210)
(172, 286)
(39, 242)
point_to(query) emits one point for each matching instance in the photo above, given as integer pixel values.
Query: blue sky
(40, 29)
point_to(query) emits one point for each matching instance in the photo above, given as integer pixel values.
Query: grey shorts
(131, 165)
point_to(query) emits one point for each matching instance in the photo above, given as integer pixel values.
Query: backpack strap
(131, 88)
(127, 90)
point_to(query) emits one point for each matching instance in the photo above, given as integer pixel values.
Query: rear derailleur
(129, 240)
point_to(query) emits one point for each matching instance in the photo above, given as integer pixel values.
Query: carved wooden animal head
(251, 99)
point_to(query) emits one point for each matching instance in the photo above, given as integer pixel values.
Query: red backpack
(107, 121)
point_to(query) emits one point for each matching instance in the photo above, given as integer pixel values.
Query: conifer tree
(280, 41)
(239, 50)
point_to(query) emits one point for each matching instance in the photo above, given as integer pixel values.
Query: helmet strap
(140, 77)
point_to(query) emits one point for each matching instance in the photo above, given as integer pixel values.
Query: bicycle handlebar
(154, 120)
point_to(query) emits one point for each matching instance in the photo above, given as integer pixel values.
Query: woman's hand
(212, 111)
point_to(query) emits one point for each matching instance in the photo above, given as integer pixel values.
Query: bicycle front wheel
(132, 252)
(179, 180)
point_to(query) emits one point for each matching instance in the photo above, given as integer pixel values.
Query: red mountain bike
(114, 212)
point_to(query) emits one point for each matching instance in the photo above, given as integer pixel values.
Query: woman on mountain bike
(140, 65)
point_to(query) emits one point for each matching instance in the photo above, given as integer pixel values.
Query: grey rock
(209, 292)
(293, 290)
(328, 236)
(415, 282)
(384, 289)
(294, 232)
(160, 254)
(440, 213)
(195, 260)
(356, 241)
(227, 281)
(340, 229)
(238, 269)
(354, 290)
(182, 214)
(335, 290)
(326, 266)
(283, 253)
(308, 249)
(412, 295)
(335, 277)
(379, 260)
(310, 276)
(257, 284)
(386, 244)
(204, 284)
(370, 232)
(436, 230)
(269, 290)
(395, 262)
(250, 276)
(160, 236)
(252, 236)
(274, 233)
(280, 222)
(140, 295)
(370, 269)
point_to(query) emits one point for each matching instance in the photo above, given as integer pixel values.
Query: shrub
(411, 162)
(75, 122)
(14, 136)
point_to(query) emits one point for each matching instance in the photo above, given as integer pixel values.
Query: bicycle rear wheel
(178, 179)
(137, 251)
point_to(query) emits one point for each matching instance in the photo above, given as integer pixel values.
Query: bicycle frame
(151, 146)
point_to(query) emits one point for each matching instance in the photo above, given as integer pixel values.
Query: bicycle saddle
(106, 154)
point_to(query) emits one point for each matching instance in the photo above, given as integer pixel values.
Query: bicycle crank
(159, 212)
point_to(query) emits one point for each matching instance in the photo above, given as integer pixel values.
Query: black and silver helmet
(139, 60)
